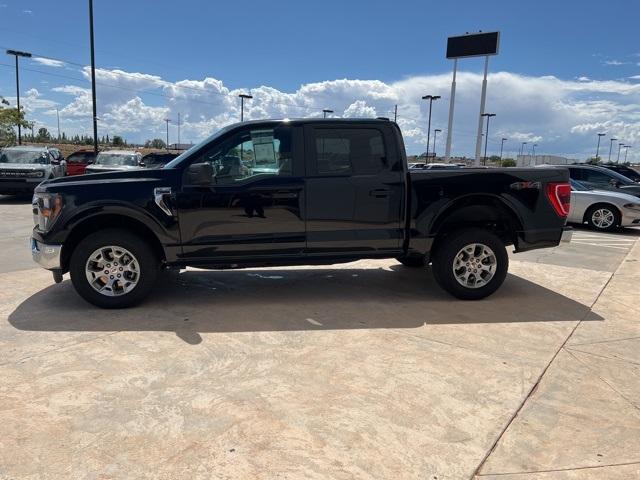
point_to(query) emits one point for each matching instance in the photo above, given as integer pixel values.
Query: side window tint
(358, 151)
(596, 177)
(250, 153)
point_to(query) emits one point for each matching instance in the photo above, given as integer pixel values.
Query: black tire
(603, 207)
(445, 255)
(148, 265)
(416, 261)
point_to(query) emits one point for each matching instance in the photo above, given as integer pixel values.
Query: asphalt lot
(363, 370)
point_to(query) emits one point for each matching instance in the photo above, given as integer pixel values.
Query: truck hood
(110, 168)
(130, 176)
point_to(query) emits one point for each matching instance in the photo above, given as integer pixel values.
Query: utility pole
(626, 150)
(522, 149)
(611, 140)
(243, 96)
(17, 53)
(167, 121)
(431, 98)
(600, 135)
(502, 147)
(486, 134)
(93, 80)
(178, 130)
(325, 111)
(58, 116)
(435, 134)
(395, 114)
(533, 154)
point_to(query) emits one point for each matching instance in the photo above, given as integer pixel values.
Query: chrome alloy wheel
(603, 218)
(112, 271)
(474, 265)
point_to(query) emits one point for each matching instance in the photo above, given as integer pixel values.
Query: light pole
(522, 150)
(431, 98)
(435, 134)
(58, 116)
(611, 140)
(178, 130)
(533, 153)
(626, 150)
(395, 114)
(93, 80)
(502, 147)
(600, 135)
(17, 53)
(167, 144)
(486, 135)
(620, 145)
(325, 111)
(243, 96)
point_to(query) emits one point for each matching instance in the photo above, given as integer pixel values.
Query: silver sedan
(603, 210)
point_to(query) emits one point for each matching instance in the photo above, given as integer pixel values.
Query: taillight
(559, 195)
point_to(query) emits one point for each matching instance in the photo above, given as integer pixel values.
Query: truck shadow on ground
(289, 299)
(15, 199)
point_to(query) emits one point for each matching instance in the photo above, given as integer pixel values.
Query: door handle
(379, 192)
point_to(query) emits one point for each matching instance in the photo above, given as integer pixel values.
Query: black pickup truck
(294, 192)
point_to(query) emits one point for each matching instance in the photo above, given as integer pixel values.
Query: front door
(252, 207)
(355, 190)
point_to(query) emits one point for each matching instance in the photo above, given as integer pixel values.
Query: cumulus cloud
(49, 62)
(560, 115)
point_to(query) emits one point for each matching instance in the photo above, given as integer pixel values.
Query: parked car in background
(601, 209)
(158, 159)
(78, 161)
(628, 172)
(600, 178)
(23, 168)
(115, 160)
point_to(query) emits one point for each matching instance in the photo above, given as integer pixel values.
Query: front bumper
(567, 233)
(45, 255)
(18, 185)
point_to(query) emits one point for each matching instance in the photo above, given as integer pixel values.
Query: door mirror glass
(199, 174)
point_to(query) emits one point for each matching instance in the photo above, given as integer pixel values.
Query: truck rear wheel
(470, 264)
(113, 268)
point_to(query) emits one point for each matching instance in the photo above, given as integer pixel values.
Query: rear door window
(352, 151)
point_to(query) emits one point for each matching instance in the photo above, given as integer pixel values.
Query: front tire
(470, 264)
(603, 217)
(113, 269)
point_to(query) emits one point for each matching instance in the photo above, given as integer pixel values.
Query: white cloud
(560, 115)
(27, 12)
(615, 63)
(49, 62)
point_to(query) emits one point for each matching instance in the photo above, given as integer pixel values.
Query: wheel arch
(593, 206)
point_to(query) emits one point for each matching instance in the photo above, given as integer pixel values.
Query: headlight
(632, 206)
(46, 209)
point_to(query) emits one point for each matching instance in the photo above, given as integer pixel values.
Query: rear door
(354, 189)
(253, 206)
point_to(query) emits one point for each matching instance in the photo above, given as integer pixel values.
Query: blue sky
(292, 49)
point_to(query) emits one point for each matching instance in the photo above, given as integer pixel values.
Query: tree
(593, 161)
(508, 162)
(117, 141)
(9, 119)
(155, 143)
(43, 135)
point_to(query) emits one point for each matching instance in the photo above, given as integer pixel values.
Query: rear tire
(113, 284)
(470, 264)
(603, 217)
(416, 261)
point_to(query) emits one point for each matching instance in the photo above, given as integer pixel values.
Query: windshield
(578, 187)
(122, 159)
(9, 155)
(621, 178)
(176, 161)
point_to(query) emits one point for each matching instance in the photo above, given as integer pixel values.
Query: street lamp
(626, 150)
(620, 145)
(533, 153)
(600, 135)
(486, 134)
(522, 150)
(431, 98)
(243, 96)
(435, 134)
(502, 147)
(167, 144)
(93, 80)
(611, 146)
(17, 54)
(325, 111)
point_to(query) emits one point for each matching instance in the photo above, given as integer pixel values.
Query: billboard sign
(473, 45)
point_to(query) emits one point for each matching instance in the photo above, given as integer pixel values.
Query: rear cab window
(349, 151)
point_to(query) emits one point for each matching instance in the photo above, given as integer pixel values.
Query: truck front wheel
(113, 268)
(470, 264)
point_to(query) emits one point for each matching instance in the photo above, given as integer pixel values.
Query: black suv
(628, 172)
(600, 178)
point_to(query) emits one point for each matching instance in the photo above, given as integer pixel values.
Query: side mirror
(614, 183)
(199, 174)
(141, 164)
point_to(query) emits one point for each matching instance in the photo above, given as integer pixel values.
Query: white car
(601, 209)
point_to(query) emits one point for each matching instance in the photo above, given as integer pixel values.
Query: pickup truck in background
(22, 168)
(314, 191)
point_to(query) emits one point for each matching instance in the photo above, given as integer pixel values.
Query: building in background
(531, 160)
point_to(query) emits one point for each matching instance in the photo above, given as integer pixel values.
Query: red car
(77, 162)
